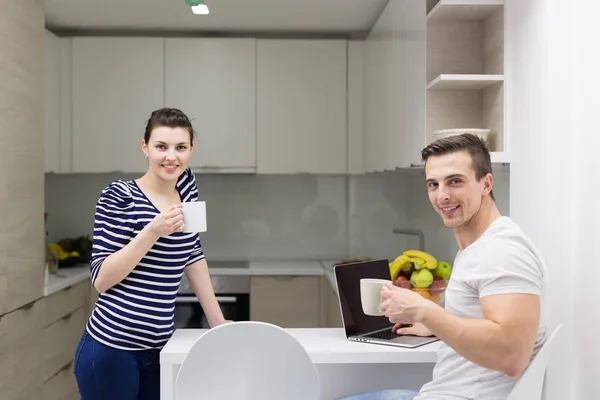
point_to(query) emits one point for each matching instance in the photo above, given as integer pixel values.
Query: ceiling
(267, 17)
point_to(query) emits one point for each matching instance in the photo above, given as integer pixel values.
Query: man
(494, 319)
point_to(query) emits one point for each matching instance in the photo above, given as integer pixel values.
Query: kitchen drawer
(60, 340)
(66, 301)
(21, 345)
(61, 386)
(286, 301)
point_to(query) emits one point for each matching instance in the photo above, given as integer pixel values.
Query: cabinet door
(117, 83)
(301, 106)
(286, 301)
(213, 81)
(51, 103)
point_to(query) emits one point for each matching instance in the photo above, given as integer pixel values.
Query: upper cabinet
(214, 82)
(116, 84)
(57, 103)
(465, 70)
(394, 91)
(51, 102)
(301, 106)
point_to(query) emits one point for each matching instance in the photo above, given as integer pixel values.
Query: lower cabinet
(330, 306)
(294, 301)
(37, 346)
(286, 301)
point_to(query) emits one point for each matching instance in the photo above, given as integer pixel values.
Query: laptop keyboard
(386, 334)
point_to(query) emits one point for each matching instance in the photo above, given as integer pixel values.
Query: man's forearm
(480, 341)
(199, 277)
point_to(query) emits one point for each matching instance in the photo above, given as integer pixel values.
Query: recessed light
(198, 6)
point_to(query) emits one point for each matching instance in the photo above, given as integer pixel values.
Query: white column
(553, 117)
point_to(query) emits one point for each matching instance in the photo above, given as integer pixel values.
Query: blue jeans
(383, 395)
(106, 373)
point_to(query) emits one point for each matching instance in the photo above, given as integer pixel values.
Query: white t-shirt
(501, 261)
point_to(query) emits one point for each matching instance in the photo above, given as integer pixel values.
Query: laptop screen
(348, 278)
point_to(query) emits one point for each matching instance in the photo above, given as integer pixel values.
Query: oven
(232, 293)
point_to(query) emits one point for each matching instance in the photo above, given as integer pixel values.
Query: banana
(421, 259)
(401, 262)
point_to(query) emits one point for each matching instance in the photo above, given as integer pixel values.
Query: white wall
(554, 68)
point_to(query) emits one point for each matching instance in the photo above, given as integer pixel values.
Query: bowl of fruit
(422, 273)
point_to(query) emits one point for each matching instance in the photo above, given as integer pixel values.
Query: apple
(403, 282)
(442, 270)
(438, 285)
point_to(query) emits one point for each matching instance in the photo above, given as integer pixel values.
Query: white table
(344, 367)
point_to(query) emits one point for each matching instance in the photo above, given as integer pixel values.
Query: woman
(139, 255)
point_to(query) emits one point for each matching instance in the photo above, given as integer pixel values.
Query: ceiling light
(198, 6)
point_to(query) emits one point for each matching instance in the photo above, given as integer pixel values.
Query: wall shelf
(464, 81)
(463, 10)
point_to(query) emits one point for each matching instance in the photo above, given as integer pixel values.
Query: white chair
(247, 361)
(531, 383)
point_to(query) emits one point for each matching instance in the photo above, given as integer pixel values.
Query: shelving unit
(465, 69)
(464, 81)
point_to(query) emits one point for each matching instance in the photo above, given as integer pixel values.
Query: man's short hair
(472, 144)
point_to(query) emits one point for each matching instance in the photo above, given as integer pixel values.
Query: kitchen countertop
(324, 345)
(68, 276)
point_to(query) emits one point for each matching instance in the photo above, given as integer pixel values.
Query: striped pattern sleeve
(189, 192)
(114, 224)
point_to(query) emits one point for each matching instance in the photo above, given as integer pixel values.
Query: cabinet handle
(28, 306)
(68, 288)
(67, 317)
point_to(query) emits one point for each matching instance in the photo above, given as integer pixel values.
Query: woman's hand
(168, 222)
(417, 329)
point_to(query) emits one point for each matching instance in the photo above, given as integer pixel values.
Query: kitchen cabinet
(286, 301)
(38, 343)
(331, 316)
(394, 86)
(213, 80)
(51, 102)
(116, 83)
(356, 107)
(301, 106)
(57, 104)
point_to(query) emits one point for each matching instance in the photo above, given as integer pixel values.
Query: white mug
(194, 216)
(370, 295)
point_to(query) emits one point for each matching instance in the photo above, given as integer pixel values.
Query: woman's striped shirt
(137, 313)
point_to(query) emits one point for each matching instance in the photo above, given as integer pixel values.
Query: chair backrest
(531, 383)
(247, 360)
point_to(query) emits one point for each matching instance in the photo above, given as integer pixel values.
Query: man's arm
(199, 277)
(502, 341)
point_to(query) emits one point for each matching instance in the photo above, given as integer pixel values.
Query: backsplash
(261, 217)
(248, 216)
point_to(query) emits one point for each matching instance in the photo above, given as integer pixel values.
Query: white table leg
(168, 374)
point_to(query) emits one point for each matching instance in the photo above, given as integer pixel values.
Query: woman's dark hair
(171, 118)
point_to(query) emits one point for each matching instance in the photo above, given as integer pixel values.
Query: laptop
(364, 328)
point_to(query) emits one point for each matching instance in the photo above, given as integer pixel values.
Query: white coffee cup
(194, 216)
(370, 295)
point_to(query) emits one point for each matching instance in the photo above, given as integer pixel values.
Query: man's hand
(417, 329)
(403, 306)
